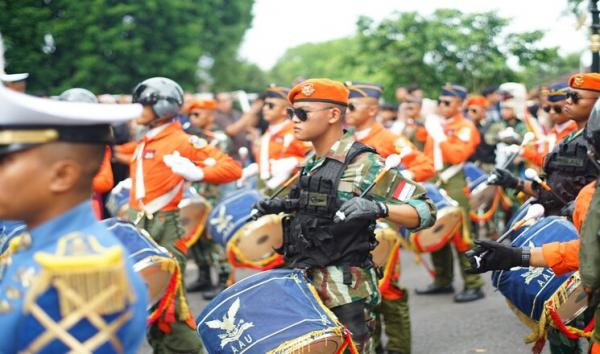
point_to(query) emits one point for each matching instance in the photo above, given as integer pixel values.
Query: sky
(282, 24)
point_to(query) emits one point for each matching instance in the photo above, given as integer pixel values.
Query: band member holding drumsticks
(451, 141)
(567, 168)
(363, 106)
(50, 152)
(163, 160)
(330, 230)
(562, 257)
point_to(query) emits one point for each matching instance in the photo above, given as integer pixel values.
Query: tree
(409, 48)
(110, 45)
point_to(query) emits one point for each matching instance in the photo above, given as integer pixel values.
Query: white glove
(249, 171)
(184, 167)
(509, 134)
(276, 181)
(283, 166)
(433, 125)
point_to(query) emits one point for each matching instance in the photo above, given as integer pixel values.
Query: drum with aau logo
(249, 243)
(276, 311)
(193, 213)
(529, 288)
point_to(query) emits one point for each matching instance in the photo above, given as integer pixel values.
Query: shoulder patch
(401, 144)
(198, 142)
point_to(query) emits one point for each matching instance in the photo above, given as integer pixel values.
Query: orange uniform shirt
(158, 178)
(463, 138)
(387, 143)
(537, 154)
(283, 144)
(104, 180)
(563, 257)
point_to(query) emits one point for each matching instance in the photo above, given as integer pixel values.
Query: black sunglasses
(557, 109)
(351, 107)
(575, 97)
(444, 102)
(301, 113)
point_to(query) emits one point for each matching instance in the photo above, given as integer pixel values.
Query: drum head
(258, 238)
(435, 237)
(192, 215)
(574, 305)
(328, 343)
(156, 278)
(482, 197)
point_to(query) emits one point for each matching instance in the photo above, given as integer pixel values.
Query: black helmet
(78, 95)
(591, 133)
(164, 95)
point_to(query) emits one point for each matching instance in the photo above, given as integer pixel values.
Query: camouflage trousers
(395, 317)
(329, 284)
(165, 229)
(207, 253)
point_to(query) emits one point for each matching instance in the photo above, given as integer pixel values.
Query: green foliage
(110, 45)
(408, 48)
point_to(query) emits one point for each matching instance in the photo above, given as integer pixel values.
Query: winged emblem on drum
(532, 273)
(222, 221)
(233, 331)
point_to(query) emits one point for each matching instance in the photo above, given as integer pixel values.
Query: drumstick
(529, 136)
(391, 161)
(535, 211)
(287, 183)
(532, 175)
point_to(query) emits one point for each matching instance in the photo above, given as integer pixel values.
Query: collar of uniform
(338, 152)
(561, 127)
(165, 131)
(457, 118)
(276, 128)
(79, 217)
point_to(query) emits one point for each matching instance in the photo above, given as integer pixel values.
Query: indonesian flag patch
(404, 191)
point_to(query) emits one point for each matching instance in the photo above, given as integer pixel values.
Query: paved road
(441, 326)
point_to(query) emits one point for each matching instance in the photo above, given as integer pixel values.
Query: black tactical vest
(568, 170)
(311, 239)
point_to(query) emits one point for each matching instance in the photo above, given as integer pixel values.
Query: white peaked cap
(22, 110)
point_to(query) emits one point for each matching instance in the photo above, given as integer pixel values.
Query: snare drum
(481, 194)
(448, 222)
(151, 261)
(528, 288)
(193, 213)
(569, 301)
(249, 243)
(276, 311)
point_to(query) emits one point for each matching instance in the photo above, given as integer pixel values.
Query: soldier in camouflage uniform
(205, 252)
(330, 230)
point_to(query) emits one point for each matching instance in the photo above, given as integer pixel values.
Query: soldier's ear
(336, 115)
(64, 175)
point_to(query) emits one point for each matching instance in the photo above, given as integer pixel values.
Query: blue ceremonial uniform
(69, 286)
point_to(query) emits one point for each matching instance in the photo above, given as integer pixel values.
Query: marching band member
(161, 162)
(450, 142)
(331, 232)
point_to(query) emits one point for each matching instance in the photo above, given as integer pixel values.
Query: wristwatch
(525, 257)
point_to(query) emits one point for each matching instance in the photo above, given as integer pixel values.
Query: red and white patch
(404, 191)
(149, 154)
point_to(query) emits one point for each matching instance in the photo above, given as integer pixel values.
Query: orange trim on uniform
(104, 181)
(454, 149)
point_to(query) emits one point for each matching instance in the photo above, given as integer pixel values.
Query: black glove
(502, 177)
(490, 255)
(275, 206)
(361, 208)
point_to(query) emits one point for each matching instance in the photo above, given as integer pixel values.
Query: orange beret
(587, 81)
(200, 104)
(319, 90)
(477, 101)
